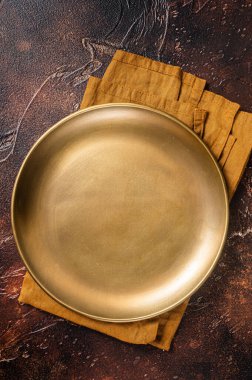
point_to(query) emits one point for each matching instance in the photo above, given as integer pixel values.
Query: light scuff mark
(241, 234)
(11, 283)
(5, 240)
(16, 336)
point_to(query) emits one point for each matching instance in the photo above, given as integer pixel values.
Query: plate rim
(21, 254)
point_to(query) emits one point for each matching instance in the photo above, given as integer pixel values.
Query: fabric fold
(227, 149)
(168, 327)
(143, 75)
(192, 88)
(199, 121)
(102, 93)
(126, 69)
(240, 151)
(221, 114)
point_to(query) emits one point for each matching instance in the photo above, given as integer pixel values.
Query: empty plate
(119, 212)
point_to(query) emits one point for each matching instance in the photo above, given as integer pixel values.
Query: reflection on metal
(129, 208)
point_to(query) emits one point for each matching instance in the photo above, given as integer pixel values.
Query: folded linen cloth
(226, 130)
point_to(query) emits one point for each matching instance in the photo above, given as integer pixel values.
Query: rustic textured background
(48, 50)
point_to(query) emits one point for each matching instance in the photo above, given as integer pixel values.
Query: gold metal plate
(119, 212)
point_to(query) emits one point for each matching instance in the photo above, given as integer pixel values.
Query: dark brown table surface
(48, 50)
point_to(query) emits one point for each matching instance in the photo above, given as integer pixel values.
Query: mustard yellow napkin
(226, 130)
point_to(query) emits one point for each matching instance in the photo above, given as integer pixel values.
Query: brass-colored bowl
(119, 212)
